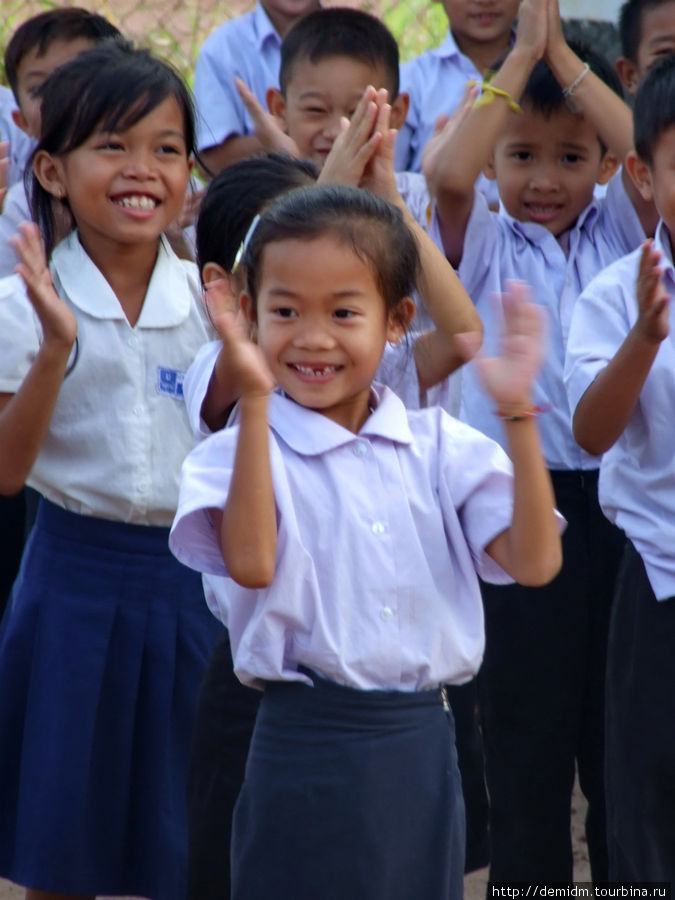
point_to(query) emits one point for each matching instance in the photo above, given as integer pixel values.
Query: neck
(281, 22)
(483, 54)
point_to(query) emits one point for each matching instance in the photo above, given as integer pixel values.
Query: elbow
(252, 572)
(586, 438)
(544, 569)
(11, 483)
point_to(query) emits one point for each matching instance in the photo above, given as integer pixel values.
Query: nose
(314, 334)
(544, 177)
(139, 165)
(331, 127)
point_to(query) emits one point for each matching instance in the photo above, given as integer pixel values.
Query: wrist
(520, 411)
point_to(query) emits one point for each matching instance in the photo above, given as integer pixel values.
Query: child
(226, 709)
(647, 33)
(619, 374)
(435, 81)
(105, 640)
(342, 502)
(247, 47)
(37, 47)
(548, 129)
(18, 145)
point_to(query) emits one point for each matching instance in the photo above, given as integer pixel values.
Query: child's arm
(606, 111)
(363, 154)
(25, 416)
(608, 403)
(4, 169)
(460, 154)
(248, 524)
(529, 550)
(268, 129)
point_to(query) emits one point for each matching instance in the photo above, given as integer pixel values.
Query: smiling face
(547, 167)
(322, 325)
(320, 93)
(476, 22)
(657, 39)
(125, 187)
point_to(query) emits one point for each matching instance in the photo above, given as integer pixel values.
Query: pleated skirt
(349, 794)
(102, 650)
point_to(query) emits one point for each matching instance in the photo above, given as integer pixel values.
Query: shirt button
(386, 613)
(360, 449)
(138, 411)
(377, 528)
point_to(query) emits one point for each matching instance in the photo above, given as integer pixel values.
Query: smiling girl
(344, 524)
(106, 636)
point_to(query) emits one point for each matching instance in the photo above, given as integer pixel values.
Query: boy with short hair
(37, 47)
(478, 36)
(548, 129)
(620, 376)
(247, 47)
(647, 33)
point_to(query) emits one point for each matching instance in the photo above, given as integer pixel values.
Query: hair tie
(488, 94)
(243, 247)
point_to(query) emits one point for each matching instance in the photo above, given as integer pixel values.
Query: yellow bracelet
(488, 94)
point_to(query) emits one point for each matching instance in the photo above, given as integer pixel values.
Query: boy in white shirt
(548, 129)
(620, 378)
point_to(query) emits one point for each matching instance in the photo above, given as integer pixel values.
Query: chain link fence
(176, 29)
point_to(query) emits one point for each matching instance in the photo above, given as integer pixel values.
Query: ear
(213, 271)
(628, 73)
(489, 168)
(399, 319)
(609, 165)
(399, 110)
(641, 175)
(276, 104)
(20, 121)
(50, 173)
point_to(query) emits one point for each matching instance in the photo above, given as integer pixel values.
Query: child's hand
(56, 317)
(532, 33)
(353, 148)
(269, 130)
(444, 129)
(247, 371)
(379, 176)
(4, 169)
(508, 378)
(555, 39)
(652, 321)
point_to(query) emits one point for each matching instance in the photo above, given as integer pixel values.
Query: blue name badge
(170, 381)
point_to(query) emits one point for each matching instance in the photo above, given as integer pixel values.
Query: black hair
(543, 93)
(340, 31)
(630, 25)
(110, 87)
(39, 32)
(236, 195)
(371, 227)
(654, 109)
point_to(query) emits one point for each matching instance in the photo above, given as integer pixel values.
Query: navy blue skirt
(349, 794)
(102, 650)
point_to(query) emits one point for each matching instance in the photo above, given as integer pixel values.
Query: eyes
(287, 312)
(113, 144)
(526, 156)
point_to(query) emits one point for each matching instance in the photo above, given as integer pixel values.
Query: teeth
(311, 370)
(137, 202)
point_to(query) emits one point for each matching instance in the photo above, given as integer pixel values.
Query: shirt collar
(263, 27)
(310, 434)
(538, 234)
(167, 301)
(662, 243)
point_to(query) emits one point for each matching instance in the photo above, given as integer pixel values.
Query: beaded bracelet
(529, 413)
(571, 88)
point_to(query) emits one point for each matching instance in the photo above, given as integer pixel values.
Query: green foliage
(417, 25)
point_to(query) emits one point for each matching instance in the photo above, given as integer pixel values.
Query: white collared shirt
(497, 247)
(14, 211)
(435, 82)
(380, 536)
(246, 47)
(120, 431)
(20, 145)
(637, 474)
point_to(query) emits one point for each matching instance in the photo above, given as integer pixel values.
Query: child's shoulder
(239, 28)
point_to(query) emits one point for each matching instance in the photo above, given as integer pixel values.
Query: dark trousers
(641, 729)
(541, 691)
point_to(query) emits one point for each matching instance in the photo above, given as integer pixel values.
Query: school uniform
(392, 518)
(16, 209)
(105, 639)
(541, 686)
(435, 81)
(246, 47)
(637, 493)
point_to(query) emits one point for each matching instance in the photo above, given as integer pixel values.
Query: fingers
(218, 299)
(251, 102)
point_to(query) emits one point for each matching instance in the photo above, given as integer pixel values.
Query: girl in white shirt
(106, 636)
(343, 521)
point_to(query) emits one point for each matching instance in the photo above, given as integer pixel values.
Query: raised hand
(354, 147)
(532, 33)
(268, 128)
(247, 371)
(444, 129)
(509, 377)
(58, 321)
(652, 322)
(379, 175)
